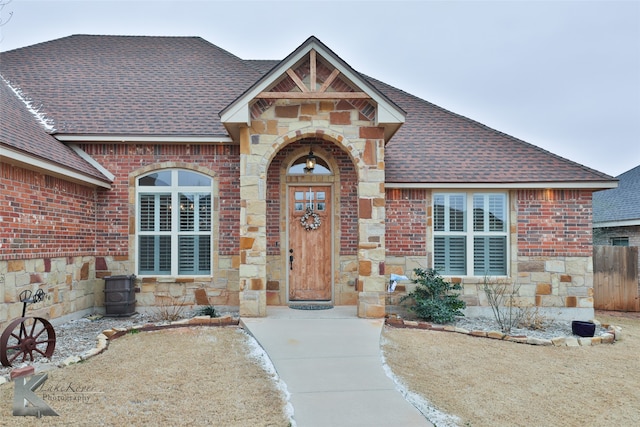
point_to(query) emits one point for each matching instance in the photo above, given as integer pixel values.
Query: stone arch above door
(316, 133)
(363, 142)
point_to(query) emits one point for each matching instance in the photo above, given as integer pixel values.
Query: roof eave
(50, 168)
(586, 185)
(622, 223)
(150, 139)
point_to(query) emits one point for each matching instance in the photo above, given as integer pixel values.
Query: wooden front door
(309, 253)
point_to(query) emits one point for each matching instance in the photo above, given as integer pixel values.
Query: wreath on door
(315, 222)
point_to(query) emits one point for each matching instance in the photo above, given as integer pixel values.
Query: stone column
(371, 224)
(253, 254)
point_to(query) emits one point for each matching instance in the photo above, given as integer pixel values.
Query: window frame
(619, 241)
(468, 231)
(175, 191)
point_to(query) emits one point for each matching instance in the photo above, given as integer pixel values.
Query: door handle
(291, 259)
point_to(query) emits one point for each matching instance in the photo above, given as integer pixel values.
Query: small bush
(208, 310)
(432, 298)
(508, 311)
(168, 309)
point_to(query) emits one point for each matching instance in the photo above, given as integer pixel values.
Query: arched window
(174, 223)
(299, 165)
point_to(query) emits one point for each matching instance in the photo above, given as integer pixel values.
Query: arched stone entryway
(366, 155)
(329, 253)
(312, 94)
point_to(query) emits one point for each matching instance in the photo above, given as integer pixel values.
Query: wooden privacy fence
(615, 278)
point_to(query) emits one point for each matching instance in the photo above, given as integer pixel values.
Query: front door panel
(309, 252)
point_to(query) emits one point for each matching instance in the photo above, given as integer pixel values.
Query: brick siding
(44, 216)
(406, 222)
(554, 222)
(119, 159)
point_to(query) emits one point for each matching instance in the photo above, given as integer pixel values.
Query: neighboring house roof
(163, 87)
(619, 206)
(24, 140)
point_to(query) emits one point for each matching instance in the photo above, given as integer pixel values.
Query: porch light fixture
(311, 162)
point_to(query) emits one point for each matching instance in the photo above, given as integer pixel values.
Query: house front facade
(244, 183)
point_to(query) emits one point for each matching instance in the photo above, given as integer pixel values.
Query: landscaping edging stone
(103, 339)
(613, 333)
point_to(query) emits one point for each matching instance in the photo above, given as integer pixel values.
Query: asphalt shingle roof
(130, 85)
(21, 131)
(163, 86)
(619, 204)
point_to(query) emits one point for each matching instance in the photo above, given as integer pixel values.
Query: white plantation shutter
(450, 255)
(489, 256)
(480, 248)
(174, 223)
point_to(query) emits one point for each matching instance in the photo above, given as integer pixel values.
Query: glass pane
(320, 195)
(438, 212)
(164, 254)
(145, 251)
(490, 256)
(456, 212)
(450, 255)
(164, 200)
(187, 218)
(298, 166)
(204, 255)
(321, 206)
(497, 212)
(155, 254)
(299, 207)
(299, 195)
(309, 195)
(186, 254)
(478, 212)
(147, 212)
(192, 179)
(194, 255)
(204, 212)
(156, 179)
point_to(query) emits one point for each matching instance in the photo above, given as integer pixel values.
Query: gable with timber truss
(313, 72)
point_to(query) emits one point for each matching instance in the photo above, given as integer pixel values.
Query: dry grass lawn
(187, 376)
(492, 383)
(207, 376)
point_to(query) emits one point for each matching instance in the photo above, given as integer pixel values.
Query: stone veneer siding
(273, 127)
(345, 213)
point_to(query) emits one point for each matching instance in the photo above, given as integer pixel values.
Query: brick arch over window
(134, 174)
(215, 204)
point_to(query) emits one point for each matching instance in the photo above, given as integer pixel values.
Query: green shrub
(208, 310)
(433, 300)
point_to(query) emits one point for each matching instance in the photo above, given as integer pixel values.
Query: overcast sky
(563, 75)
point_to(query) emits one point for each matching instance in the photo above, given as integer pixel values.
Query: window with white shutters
(174, 223)
(470, 234)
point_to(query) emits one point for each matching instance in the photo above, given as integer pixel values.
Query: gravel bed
(75, 337)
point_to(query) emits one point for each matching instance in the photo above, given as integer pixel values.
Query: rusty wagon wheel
(25, 338)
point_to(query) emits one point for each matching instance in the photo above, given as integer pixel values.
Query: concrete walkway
(331, 363)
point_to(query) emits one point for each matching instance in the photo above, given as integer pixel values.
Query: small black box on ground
(119, 295)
